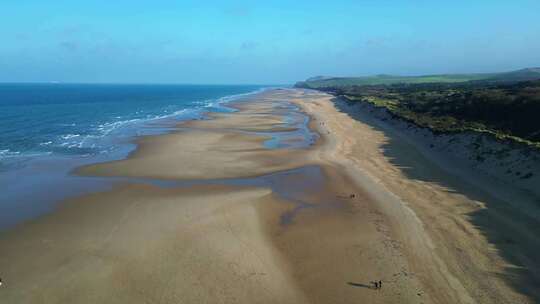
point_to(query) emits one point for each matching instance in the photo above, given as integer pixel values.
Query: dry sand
(464, 243)
(237, 222)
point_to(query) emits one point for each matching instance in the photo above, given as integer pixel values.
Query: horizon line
(141, 83)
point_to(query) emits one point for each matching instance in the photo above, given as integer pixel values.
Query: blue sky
(274, 42)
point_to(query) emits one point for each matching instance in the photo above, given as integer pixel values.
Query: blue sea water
(37, 120)
(47, 130)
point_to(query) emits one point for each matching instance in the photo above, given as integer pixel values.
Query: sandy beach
(289, 199)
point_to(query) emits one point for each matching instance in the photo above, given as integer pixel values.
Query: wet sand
(245, 207)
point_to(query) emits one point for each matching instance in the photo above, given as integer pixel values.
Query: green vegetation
(500, 104)
(389, 79)
(321, 82)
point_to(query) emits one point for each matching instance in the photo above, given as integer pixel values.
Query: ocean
(46, 130)
(79, 119)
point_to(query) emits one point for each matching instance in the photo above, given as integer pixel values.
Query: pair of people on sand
(378, 285)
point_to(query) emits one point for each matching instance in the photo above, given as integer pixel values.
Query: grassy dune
(325, 82)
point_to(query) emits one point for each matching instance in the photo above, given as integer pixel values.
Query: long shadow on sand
(360, 285)
(512, 230)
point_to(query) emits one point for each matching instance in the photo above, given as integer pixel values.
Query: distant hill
(318, 78)
(519, 75)
(513, 76)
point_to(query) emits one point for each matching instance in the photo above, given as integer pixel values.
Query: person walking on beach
(378, 284)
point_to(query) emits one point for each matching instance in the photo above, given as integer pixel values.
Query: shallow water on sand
(42, 183)
(297, 186)
(302, 137)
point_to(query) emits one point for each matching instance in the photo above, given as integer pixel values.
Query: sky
(261, 42)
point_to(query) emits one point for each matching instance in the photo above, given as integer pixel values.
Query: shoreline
(212, 212)
(18, 206)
